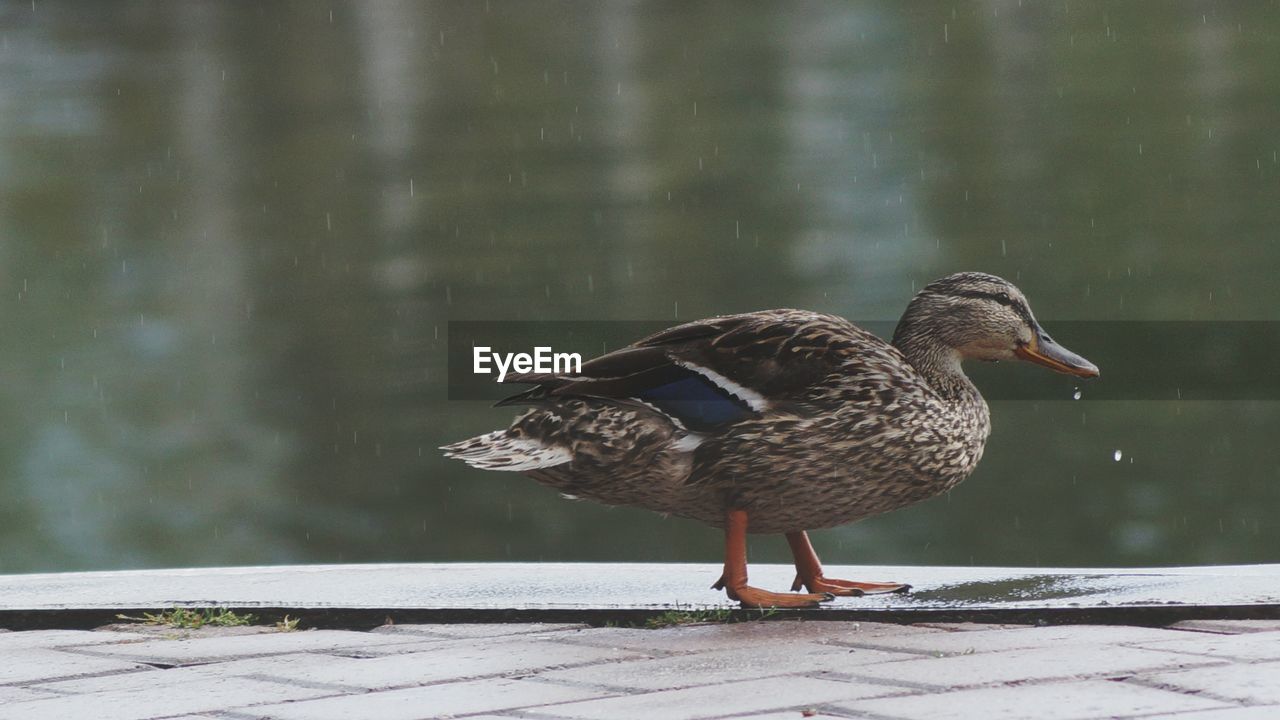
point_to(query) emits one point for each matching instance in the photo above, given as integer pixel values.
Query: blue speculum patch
(697, 402)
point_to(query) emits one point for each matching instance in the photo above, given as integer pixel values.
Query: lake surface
(233, 239)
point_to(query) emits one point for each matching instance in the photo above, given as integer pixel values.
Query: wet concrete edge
(365, 618)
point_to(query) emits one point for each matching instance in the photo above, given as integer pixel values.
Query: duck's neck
(937, 362)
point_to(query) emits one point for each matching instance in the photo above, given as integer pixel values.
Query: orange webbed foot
(752, 597)
(809, 573)
(848, 588)
(734, 578)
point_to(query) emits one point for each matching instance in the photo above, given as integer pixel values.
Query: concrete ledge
(359, 596)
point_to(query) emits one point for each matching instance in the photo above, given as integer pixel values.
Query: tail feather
(499, 450)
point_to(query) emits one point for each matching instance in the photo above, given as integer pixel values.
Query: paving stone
(252, 676)
(784, 715)
(214, 718)
(168, 632)
(412, 644)
(479, 630)
(980, 641)
(32, 665)
(1055, 701)
(970, 627)
(425, 702)
(738, 698)
(1228, 627)
(1253, 683)
(455, 662)
(298, 665)
(725, 665)
(1246, 646)
(1267, 712)
(162, 701)
(188, 652)
(723, 636)
(62, 638)
(522, 716)
(17, 694)
(1042, 663)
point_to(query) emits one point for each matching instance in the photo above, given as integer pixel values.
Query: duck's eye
(1004, 298)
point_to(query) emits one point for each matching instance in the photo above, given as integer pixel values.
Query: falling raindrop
(1118, 455)
(1077, 394)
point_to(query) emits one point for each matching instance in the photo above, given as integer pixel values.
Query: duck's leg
(734, 579)
(809, 573)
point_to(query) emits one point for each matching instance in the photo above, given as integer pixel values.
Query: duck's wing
(713, 372)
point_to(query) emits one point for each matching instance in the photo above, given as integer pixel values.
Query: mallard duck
(779, 421)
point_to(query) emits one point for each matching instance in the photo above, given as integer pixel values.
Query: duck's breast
(861, 460)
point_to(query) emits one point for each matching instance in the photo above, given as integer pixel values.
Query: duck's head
(983, 317)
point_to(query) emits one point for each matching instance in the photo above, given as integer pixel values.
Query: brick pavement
(1196, 670)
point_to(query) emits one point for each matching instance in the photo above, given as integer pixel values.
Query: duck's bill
(1042, 350)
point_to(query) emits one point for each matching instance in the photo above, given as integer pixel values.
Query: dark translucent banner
(1139, 360)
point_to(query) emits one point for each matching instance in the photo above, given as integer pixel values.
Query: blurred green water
(232, 237)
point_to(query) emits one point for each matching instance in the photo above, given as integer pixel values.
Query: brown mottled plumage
(777, 421)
